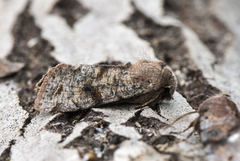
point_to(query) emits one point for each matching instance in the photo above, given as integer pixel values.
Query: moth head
(157, 74)
(168, 83)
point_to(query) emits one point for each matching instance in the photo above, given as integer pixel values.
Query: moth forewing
(67, 88)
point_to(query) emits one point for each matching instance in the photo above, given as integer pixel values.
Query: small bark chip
(67, 88)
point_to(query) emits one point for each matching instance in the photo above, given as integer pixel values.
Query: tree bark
(197, 39)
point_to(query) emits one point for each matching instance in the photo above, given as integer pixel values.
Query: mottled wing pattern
(70, 88)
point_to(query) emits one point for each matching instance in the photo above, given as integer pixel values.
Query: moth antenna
(192, 124)
(179, 118)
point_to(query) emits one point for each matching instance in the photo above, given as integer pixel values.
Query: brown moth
(218, 125)
(67, 88)
(218, 119)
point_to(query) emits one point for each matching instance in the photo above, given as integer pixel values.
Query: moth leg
(143, 105)
(193, 124)
(148, 103)
(139, 107)
(157, 109)
(154, 105)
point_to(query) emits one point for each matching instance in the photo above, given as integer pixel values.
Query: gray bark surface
(199, 40)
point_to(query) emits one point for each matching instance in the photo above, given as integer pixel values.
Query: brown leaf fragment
(68, 88)
(7, 68)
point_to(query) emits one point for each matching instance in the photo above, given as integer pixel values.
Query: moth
(219, 128)
(218, 119)
(68, 88)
